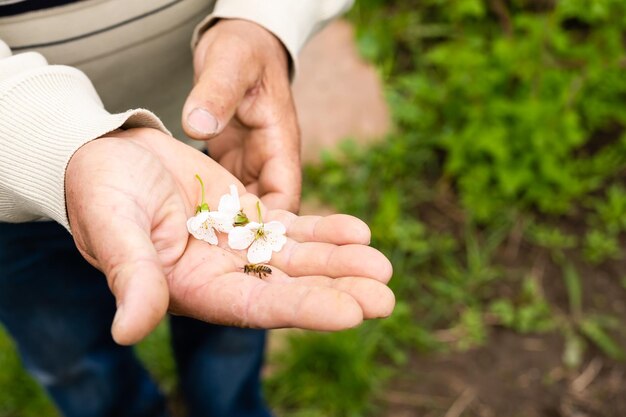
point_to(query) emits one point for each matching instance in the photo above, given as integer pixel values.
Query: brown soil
(512, 376)
(516, 375)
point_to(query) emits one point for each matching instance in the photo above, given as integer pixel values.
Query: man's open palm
(129, 195)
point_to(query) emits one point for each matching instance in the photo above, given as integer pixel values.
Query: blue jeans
(59, 311)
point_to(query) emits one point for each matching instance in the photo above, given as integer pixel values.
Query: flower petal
(209, 236)
(240, 238)
(275, 227)
(276, 241)
(260, 252)
(229, 203)
(192, 225)
(206, 233)
(222, 222)
(254, 226)
(195, 222)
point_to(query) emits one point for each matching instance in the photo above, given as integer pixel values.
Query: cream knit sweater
(128, 51)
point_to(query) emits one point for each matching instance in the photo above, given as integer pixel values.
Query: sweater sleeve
(291, 21)
(47, 112)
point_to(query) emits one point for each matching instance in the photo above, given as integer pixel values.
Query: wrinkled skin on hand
(128, 197)
(242, 80)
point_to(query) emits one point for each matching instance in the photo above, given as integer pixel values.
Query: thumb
(221, 87)
(136, 278)
(118, 195)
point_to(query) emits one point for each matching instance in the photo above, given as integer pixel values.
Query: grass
(19, 394)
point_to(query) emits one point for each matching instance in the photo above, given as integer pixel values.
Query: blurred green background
(500, 198)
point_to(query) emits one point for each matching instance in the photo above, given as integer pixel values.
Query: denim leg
(219, 368)
(59, 310)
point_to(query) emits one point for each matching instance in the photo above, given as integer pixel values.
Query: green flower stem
(203, 206)
(258, 209)
(260, 233)
(202, 187)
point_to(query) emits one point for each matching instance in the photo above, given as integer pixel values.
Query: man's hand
(242, 99)
(128, 197)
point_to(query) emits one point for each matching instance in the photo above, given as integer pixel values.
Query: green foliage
(528, 313)
(595, 329)
(155, 352)
(19, 394)
(611, 210)
(551, 237)
(574, 289)
(331, 374)
(472, 329)
(579, 326)
(515, 102)
(407, 337)
(606, 222)
(600, 246)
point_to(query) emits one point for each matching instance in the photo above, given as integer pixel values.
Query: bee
(257, 269)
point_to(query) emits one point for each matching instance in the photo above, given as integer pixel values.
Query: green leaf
(594, 332)
(574, 289)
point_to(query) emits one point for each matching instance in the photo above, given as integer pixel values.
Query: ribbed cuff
(46, 114)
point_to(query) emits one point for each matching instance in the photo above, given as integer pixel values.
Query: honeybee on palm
(259, 270)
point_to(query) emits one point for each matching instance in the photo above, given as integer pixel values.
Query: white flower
(204, 224)
(229, 203)
(262, 238)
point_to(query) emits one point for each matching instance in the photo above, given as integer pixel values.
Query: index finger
(280, 180)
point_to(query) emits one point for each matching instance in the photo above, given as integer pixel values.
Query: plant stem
(202, 187)
(258, 209)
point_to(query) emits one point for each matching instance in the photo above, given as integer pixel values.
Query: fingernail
(202, 122)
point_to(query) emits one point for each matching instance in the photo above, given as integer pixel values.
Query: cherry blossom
(260, 238)
(205, 222)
